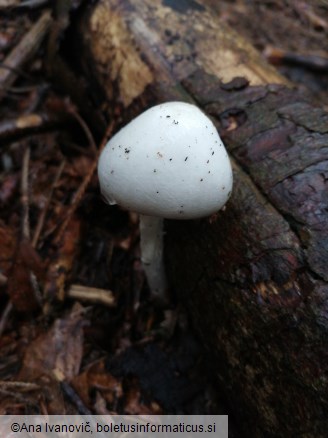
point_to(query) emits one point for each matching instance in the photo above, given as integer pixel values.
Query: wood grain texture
(254, 276)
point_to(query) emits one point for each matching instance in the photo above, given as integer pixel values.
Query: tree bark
(254, 276)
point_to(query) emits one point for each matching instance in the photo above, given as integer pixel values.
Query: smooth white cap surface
(168, 162)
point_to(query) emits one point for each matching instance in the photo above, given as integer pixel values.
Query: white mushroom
(169, 162)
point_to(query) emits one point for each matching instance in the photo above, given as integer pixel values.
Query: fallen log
(254, 277)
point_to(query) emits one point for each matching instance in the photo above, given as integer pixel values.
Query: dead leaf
(57, 353)
(134, 404)
(96, 377)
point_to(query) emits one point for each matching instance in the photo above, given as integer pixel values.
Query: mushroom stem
(151, 245)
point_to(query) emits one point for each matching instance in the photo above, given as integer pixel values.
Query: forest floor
(78, 332)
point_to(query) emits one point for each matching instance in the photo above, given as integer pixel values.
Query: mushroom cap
(168, 162)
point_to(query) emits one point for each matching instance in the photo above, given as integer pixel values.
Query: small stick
(81, 190)
(26, 222)
(26, 386)
(17, 71)
(304, 8)
(25, 49)
(24, 194)
(311, 62)
(11, 129)
(5, 316)
(92, 294)
(42, 216)
(11, 4)
(72, 395)
(19, 397)
(85, 128)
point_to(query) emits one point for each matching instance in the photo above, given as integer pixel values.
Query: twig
(24, 51)
(16, 70)
(85, 128)
(19, 397)
(44, 211)
(26, 222)
(24, 195)
(17, 4)
(74, 398)
(22, 386)
(5, 316)
(311, 62)
(81, 190)
(36, 288)
(92, 294)
(26, 124)
(305, 8)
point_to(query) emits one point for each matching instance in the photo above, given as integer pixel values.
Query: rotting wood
(253, 277)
